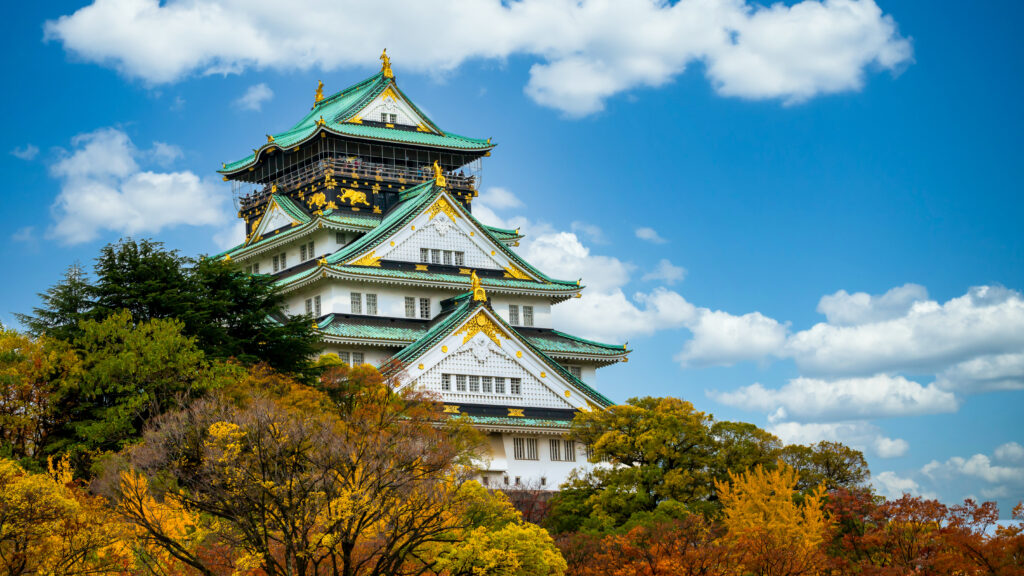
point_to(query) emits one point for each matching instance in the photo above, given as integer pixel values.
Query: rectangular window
(499, 385)
(284, 260)
(394, 118)
(316, 305)
(410, 307)
(256, 268)
(357, 358)
(425, 308)
(302, 253)
(555, 448)
(309, 306)
(339, 238)
(569, 452)
(527, 315)
(248, 269)
(344, 357)
(357, 303)
(275, 264)
(446, 382)
(447, 257)
(460, 258)
(371, 304)
(474, 383)
(460, 382)
(513, 314)
(485, 384)
(524, 448)
(383, 117)
(310, 251)
(485, 480)
(424, 255)
(515, 386)
(576, 371)
(435, 256)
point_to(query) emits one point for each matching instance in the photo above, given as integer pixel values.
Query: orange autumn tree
(772, 533)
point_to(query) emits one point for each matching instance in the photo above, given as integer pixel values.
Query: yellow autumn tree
(774, 535)
(49, 526)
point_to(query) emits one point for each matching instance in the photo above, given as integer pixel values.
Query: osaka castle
(362, 213)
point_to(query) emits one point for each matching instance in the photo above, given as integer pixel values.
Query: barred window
(447, 257)
(371, 304)
(410, 307)
(383, 117)
(485, 384)
(357, 358)
(394, 118)
(527, 315)
(524, 449)
(309, 306)
(515, 386)
(474, 383)
(275, 263)
(357, 303)
(499, 385)
(555, 449)
(460, 258)
(256, 268)
(460, 382)
(424, 255)
(513, 314)
(569, 454)
(339, 237)
(446, 382)
(302, 253)
(435, 256)
(425, 308)
(310, 251)
(316, 305)
(284, 260)
(576, 371)
(344, 357)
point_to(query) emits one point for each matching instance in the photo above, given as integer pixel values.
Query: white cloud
(230, 236)
(26, 152)
(722, 339)
(165, 154)
(103, 188)
(985, 373)
(845, 309)
(813, 400)
(987, 320)
(586, 51)
(498, 199)
(666, 272)
(893, 487)
(650, 235)
(1010, 452)
(978, 466)
(858, 434)
(562, 254)
(592, 233)
(25, 235)
(254, 97)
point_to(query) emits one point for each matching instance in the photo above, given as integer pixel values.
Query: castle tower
(362, 214)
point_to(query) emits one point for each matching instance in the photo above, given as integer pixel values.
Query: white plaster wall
(541, 308)
(503, 463)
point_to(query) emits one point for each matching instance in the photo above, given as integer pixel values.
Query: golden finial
(385, 66)
(322, 261)
(273, 188)
(315, 327)
(320, 121)
(319, 92)
(227, 257)
(439, 175)
(478, 291)
(488, 140)
(269, 138)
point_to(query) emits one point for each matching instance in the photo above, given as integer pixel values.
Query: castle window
(446, 382)
(543, 481)
(562, 450)
(570, 451)
(344, 357)
(485, 480)
(576, 371)
(339, 238)
(485, 384)
(309, 306)
(302, 253)
(447, 257)
(506, 480)
(316, 305)
(513, 314)
(499, 385)
(424, 255)
(284, 260)
(425, 308)
(527, 315)
(371, 304)
(275, 263)
(383, 117)
(474, 383)
(357, 303)
(310, 252)
(460, 258)
(248, 269)
(256, 268)
(518, 481)
(394, 118)
(460, 382)
(524, 449)
(435, 256)
(357, 358)
(515, 386)
(555, 450)
(410, 307)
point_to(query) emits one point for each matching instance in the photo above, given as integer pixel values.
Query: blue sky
(804, 216)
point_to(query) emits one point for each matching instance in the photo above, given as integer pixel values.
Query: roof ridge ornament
(319, 96)
(479, 294)
(385, 66)
(439, 178)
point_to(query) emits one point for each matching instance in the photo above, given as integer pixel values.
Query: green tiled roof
(338, 108)
(518, 422)
(556, 342)
(376, 329)
(290, 208)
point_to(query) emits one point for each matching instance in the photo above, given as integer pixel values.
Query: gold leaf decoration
(442, 205)
(517, 412)
(512, 272)
(481, 323)
(368, 260)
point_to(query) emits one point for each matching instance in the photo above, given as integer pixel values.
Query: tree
(774, 535)
(740, 446)
(49, 526)
(830, 463)
(64, 305)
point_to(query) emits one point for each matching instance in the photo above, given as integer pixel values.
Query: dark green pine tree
(63, 305)
(143, 278)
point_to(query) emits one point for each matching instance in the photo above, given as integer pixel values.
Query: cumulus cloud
(592, 233)
(585, 52)
(858, 434)
(650, 235)
(893, 487)
(813, 400)
(984, 374)
(104, 188)
(723, 339)
(1010, 452)
(165, 154)
(26, 152)
(666, 272)
(845, 309)
(254, 97)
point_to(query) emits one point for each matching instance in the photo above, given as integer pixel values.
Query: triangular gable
(392, 103)
(476, 342)
(280, 212)
(442, 223)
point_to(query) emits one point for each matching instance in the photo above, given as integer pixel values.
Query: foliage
(49, 526)
(828, 463)
(64, 305)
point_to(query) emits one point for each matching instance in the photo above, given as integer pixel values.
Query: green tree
(830, 463)
(63, 305)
